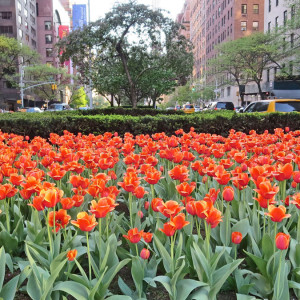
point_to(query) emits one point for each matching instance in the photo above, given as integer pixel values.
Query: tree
(246, 58)
(79, 98)
(11, 52)
(134, 42)
(185, 94)
(47, 73)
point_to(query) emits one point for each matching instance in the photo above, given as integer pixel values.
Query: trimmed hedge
(119, 111)
(33, 124)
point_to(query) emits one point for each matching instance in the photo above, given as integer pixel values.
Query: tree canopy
(13, 54)
(79, 98)
(132, 52)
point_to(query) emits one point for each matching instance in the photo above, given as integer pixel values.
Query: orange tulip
(152, 176)
(277, 214)
(179, 221)
(145, 253)
(214, 217)
(71, 255)
(296, 200)
(180, 173)
(201, 208)
(139, 192)
(51, 196)
(67, 203)
(170, 208)
(155, 203)
(228, 193)
(266, 190)
(282, 241)
(85, 222)
(236, 237)
(101, 208)
(263, 202)
(61, 219)
(134, 235)
(37, 203)
(16, 179)
(169, 229)
(147, 236)
(185, 189)
(283, 172)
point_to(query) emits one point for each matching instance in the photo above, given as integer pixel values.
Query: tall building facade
(184, 19)
(17, 20)
(35, 23)
(213, 22)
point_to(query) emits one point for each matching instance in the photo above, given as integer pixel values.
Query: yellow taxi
(274, 105)
(188, 108)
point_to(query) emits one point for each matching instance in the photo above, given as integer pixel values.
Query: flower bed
(193, 214)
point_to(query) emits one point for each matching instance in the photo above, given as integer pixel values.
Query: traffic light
(193, 88)
(54, 87)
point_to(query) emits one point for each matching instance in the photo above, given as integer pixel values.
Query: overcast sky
(100, 7)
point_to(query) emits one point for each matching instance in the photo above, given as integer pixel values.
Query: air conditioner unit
(244, 15)
(244, 29)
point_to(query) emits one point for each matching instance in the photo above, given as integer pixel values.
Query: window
(268, 75)
(275, 72)
(33, 43)
(7, 85)
(33, 32)
(19, 6)
(255, 25)
(20, 33)
(32, 7)
(48, 25)
(277, 2)
(243, 26)
(270, 1)
(292, 11)
(228, 90)
(48, 39)
(25, 13)
(255, 8)
(20, 19)
(276, 22)
(32, 19)
(244, 8)
(292, 40)
(6, 29)
(27, 37)
(26, 24)
(284, 17)
(231, 12)
(7, 15)
(37, 9)
(49, 52)
(269, 27)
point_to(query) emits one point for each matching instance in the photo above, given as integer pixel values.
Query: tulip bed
(192, 216)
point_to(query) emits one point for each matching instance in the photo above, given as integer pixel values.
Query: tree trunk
(262, 96)
(112, 100)
(133, 97)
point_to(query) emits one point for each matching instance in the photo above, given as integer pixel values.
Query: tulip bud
(204, 179)
(282, 241)
(287, 129)
(26, 137)
(287, 201)
(146, 205)
(294, 184)
(140, 214)
(236, 237)
(244, 167)
(228, 193)
(71, 255)
(145, 253)
(161, 168)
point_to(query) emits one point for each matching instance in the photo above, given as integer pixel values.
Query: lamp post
(90, 54)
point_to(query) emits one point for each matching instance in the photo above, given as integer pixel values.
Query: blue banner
(79, 16)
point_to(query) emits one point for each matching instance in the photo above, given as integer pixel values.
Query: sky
(100, 7)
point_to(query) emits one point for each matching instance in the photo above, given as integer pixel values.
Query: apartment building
(184, 19)
(17, 20)
(213, 22)
(36, 23)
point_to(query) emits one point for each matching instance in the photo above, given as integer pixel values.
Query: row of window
(255, 9)
(285, 19)
(290, 70)
(5, 15)
(255, 25)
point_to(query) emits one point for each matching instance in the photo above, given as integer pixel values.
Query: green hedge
(33, 124)
(119, 111)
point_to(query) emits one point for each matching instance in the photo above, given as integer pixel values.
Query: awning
(286, 94)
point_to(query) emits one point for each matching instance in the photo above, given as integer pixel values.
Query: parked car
(239, 109)
(177, 107)
(197, 108)
(84, 108)
(188, 108)
(34, 109)
(274, 105)
(59, 107)
(221, 105)
(170, 108)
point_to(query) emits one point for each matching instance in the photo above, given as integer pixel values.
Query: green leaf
(186, 286)
(124, 287)
(33, 287)
(137, 272)
(165, 281)
(9, 242)
(118, 297)
(75, 289)
(164, 254)
(9, 290)
(177, 275)
(96, 287)
(221, 275)
(260, 263)
(244, 297)
(242, 226)
(2, 266)
(267, 246)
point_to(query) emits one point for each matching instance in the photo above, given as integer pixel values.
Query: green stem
(107, 222)
(235, 251)
(274, 246)
(279, 271)
(227, 220)
(130, 208)
(49, 233)
(6, 204)
(298, 229)
(100, 233)
(137, 250)
(264, 230)
(89, 255)
(207, 238)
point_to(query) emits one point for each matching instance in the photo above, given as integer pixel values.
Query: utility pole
(22, 85)
(90, 54)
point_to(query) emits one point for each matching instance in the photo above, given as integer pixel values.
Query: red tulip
(236, 237)
(145, 253)
(282, 241)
